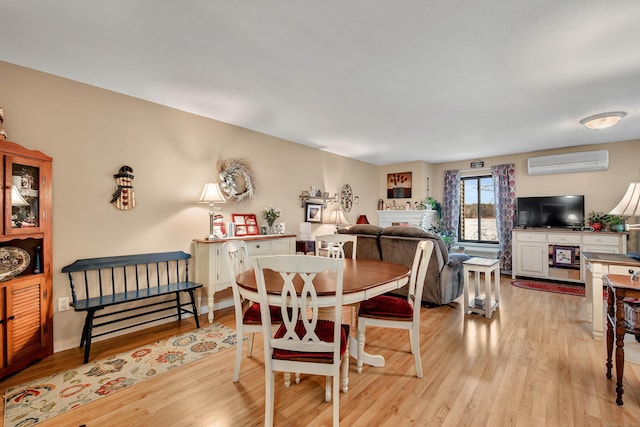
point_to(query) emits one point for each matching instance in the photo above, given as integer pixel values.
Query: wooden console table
(597, 265)
(618, 288)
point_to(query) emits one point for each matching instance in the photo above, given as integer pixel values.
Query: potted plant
(431, 218)
(598, 220)
(616, 223)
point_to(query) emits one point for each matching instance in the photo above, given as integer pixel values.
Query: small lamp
(629, 205)
(211, 194)
(337, 217)
(362, 219)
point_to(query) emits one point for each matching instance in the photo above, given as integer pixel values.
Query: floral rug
(29, 404)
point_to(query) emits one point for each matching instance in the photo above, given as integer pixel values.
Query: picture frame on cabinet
(313, 212)
(246, 224)
(563, 256)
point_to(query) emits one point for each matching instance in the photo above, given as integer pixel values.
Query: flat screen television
(551, 211)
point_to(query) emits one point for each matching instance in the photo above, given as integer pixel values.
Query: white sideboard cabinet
(210, 265)
(555, 253)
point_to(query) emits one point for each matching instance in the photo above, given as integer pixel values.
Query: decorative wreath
(236, 179)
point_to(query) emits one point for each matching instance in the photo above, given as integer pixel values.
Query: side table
(306, 246)
(482, 303)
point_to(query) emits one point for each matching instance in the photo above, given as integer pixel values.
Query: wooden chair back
(332, 245)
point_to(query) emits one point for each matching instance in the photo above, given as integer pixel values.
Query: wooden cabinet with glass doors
(26, 309)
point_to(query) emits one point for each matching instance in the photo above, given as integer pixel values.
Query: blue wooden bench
(99, 283)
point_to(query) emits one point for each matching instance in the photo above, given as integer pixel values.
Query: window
(478, 213)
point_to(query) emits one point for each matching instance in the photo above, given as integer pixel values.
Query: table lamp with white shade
(337, 217)
(211, 194)
(629, 206)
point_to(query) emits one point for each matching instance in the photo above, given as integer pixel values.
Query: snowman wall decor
(124, 198)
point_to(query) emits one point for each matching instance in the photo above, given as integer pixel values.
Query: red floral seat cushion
(324, 330)
(252, 315)
(386, 306)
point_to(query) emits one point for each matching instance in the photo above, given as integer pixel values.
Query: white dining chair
(332, 245)
(388, 311)
(248, 319)
(304, 342)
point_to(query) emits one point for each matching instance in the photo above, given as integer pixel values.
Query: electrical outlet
(63, 304)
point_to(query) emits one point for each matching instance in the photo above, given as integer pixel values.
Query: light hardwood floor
(533, 364)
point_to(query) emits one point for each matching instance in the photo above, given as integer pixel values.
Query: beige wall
(91, 132)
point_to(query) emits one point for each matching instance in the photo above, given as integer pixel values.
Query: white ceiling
(380, 81)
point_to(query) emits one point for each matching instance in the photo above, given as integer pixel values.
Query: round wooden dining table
(362, 279)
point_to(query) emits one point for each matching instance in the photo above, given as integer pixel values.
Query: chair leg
(327, 389)
(345, 371)
(361, 339)
(287, 379)
(336, 400)
(414, 337)
(236, 369)
(297, 377)
(250, 345)
(269, 398)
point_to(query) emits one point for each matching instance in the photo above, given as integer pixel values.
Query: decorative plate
(13, 261)
(346, 197)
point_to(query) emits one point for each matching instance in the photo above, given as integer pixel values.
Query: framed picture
(399, 185)
(279, 228)
(313, 212)
(246, 224)
(564, 256)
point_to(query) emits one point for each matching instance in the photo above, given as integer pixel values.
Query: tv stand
(554, 254)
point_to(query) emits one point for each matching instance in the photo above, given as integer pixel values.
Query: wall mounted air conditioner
(569, 162)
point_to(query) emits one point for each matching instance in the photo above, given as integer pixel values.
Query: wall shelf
(305, 197)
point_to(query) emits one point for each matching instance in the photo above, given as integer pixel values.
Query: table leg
(476, 278)
(210, 293)
(374, 360)
(465, 291)
(597, 307)
(620, 331)
(370, 359)
(487, 293)
(610, 328)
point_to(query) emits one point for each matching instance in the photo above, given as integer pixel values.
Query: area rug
(29, 404)
(559, 288)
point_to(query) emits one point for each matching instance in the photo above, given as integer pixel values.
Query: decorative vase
(597, 226)
(271, 230)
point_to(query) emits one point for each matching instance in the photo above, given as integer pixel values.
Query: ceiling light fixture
(603, 121)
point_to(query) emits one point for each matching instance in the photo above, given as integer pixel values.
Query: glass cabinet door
(25, 180)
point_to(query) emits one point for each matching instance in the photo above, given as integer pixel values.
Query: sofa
(444, 282)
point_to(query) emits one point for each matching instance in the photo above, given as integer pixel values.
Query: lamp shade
(212, 194)
(630, 203)
(337, 217)
(362, 219)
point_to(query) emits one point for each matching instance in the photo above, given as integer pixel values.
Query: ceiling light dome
(603, 121)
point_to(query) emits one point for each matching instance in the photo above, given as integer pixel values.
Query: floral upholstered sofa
(444, 282)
